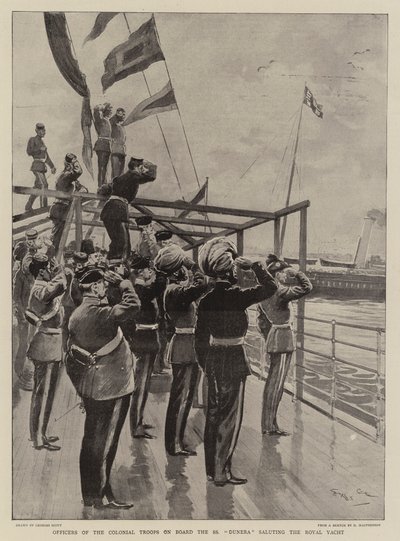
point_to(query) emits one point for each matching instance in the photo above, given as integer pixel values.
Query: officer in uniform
(149, 285)
(22, 285)
(67, 182)
(38, 151)
(100, 365)
(220, 332)
(118, 148)
(147, 244)
(163, 238)
(274, 323)
(180, 310)
(102, 147)
(115, 213)
(45, 350)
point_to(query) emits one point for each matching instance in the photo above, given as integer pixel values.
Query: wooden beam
(301, 305)
(292, 208)
(177, 220)
(139, 201)
(30, 214)
(98, 223)
(78, 223)
(277, 237)
(31, 225)
(64, 236)
(205, 208)
(227, 232)
(240, 242)
(175, 230)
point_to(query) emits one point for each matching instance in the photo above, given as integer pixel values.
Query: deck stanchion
(333, 389)
(78, 222)
(379, 398)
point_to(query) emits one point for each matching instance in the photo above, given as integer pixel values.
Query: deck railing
(349, 392)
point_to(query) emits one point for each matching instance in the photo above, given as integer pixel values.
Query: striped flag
(158, 103)
(312, 103)
(100, 24)
(134, 55)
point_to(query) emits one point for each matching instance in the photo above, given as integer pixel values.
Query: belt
(282, 326)
(103, 351)
(49, 330)
(184, 330)
(233, 341)
(147, 327)
(40, 160)
(106, 138)
(62, 201)
(118, 198)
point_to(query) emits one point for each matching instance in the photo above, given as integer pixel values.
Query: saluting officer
(118, 148)
(102, 147)
(67, 182)
(274, 323)
(149, 285)
(45, 350)
(220, 332)
(38, 151)
(100, 365)
(180, 310)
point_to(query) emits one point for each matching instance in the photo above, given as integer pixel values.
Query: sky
(239, 81)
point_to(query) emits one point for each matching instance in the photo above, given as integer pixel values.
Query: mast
(283, 230)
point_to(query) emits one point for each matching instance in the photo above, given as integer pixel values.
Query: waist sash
(147, 327)
(232, 341)
(184, 330)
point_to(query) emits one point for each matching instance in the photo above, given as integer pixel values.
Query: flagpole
(158, 120)
(177, 106)
(283, 230)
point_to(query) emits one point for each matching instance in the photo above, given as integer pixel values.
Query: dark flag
(312, 103)
(100, 24)
(134, 55)
(158, 103)
(60, 45)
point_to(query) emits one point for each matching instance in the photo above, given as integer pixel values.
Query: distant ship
(359, 279)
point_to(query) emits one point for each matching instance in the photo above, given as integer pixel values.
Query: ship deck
(323, 470)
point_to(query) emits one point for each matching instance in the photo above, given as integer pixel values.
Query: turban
(216, 256)
(169, 259)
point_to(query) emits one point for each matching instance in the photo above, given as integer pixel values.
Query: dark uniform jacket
(222, 314)
(65, 182)
(146, 341)
(124, 190)
(91, 326)
(38, 150)
(181, 312)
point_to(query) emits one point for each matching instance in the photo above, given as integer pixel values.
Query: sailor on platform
(100, 365)
(67, 182)
(180, 310)
(274, 323)
(149, 285)
(102, 147)
(45, 312)
(115, 214)
(118, 148)
(38, 151)
(220, 331)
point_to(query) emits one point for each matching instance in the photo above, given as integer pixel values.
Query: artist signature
(349, 498)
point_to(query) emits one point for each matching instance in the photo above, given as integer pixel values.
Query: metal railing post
(379, 400)
(333, 390)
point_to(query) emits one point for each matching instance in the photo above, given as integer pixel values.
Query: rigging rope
(159, 123)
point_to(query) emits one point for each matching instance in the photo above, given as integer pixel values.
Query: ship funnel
(360, 259)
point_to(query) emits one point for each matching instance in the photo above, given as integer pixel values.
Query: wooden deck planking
(289, 477)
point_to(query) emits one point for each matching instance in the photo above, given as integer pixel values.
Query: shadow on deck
(322, 471)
